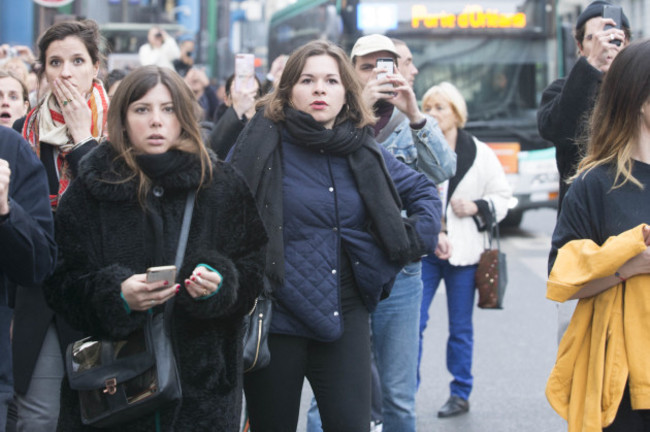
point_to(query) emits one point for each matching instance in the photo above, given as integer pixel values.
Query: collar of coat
(107, 177)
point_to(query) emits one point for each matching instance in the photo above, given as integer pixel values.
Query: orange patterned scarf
(45, 123)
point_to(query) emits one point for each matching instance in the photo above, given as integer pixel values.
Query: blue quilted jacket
(323, 213)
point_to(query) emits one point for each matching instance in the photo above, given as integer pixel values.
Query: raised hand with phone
(384, 83)
(599, 44)
(603, 31)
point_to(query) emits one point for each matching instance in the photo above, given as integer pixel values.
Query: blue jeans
(459, 283)
(395, 344)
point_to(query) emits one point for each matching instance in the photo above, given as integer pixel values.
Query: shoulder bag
(258, 322)
(120, 381)
(492, 274)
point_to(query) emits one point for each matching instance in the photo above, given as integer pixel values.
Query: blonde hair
(23, 86)
(615, 121)
(451, 94)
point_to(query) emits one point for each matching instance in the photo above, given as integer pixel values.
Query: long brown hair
(615, 121)
(356, 111)
(133, 88)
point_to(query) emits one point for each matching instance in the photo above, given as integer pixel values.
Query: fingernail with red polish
(193, 278)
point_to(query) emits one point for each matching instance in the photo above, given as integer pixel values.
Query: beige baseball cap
(372, 43)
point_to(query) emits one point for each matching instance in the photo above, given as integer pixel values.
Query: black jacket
(27, 251)
(32, 316)
(225, 133)
(563, 114)
(104, 237)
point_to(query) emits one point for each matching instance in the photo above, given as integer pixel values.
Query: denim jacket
(422, 149)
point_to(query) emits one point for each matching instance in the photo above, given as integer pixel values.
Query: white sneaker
(376, 427)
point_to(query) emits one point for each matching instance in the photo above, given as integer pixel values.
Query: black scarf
(156, 166)
(257, 154)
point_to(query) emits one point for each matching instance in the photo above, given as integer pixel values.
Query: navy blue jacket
(323, 213)
(28, 252)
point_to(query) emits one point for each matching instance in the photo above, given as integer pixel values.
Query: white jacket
(163, 56)
(485, 180)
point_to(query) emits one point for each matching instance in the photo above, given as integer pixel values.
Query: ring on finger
(205, 292)
(67, 101)
(612, 37)
(152, 302)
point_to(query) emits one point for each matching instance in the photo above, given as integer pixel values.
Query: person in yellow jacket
(600, 255)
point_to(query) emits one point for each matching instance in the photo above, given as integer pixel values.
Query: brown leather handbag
(492, 274)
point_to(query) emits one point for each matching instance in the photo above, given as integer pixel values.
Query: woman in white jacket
(466, 198)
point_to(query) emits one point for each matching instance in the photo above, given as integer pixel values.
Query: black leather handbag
(120, 381)
(256, 348)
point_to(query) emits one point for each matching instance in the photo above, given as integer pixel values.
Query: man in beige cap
(416, 140)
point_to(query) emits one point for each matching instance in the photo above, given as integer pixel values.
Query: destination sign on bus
(471, 17)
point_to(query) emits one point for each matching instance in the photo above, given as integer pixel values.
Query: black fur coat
(104, 237)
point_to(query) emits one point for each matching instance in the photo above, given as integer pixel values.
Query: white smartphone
(385, 63)
(162, 273)
(244, 71)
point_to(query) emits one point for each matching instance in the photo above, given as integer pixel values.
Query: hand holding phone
(162, 273)
(385, 63)
(615, 13)
(388, 64)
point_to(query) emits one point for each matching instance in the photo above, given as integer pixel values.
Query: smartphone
(244, 71)
(388, 64)
(385, 63)
(615, 13)
(162, 273)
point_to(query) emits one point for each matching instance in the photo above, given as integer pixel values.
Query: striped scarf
(45, 123)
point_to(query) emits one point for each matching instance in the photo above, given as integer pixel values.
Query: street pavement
(514, 348)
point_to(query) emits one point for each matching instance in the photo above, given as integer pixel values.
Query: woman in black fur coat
(123, 214)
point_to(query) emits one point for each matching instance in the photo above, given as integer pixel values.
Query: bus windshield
(497, 77)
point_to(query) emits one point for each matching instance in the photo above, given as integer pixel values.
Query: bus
(499, 53)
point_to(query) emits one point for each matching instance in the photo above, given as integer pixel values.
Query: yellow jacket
(608, 338)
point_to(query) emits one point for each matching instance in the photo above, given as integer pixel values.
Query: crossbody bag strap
(182, 241)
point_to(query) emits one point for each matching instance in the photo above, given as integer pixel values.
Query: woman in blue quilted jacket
(331, 200)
